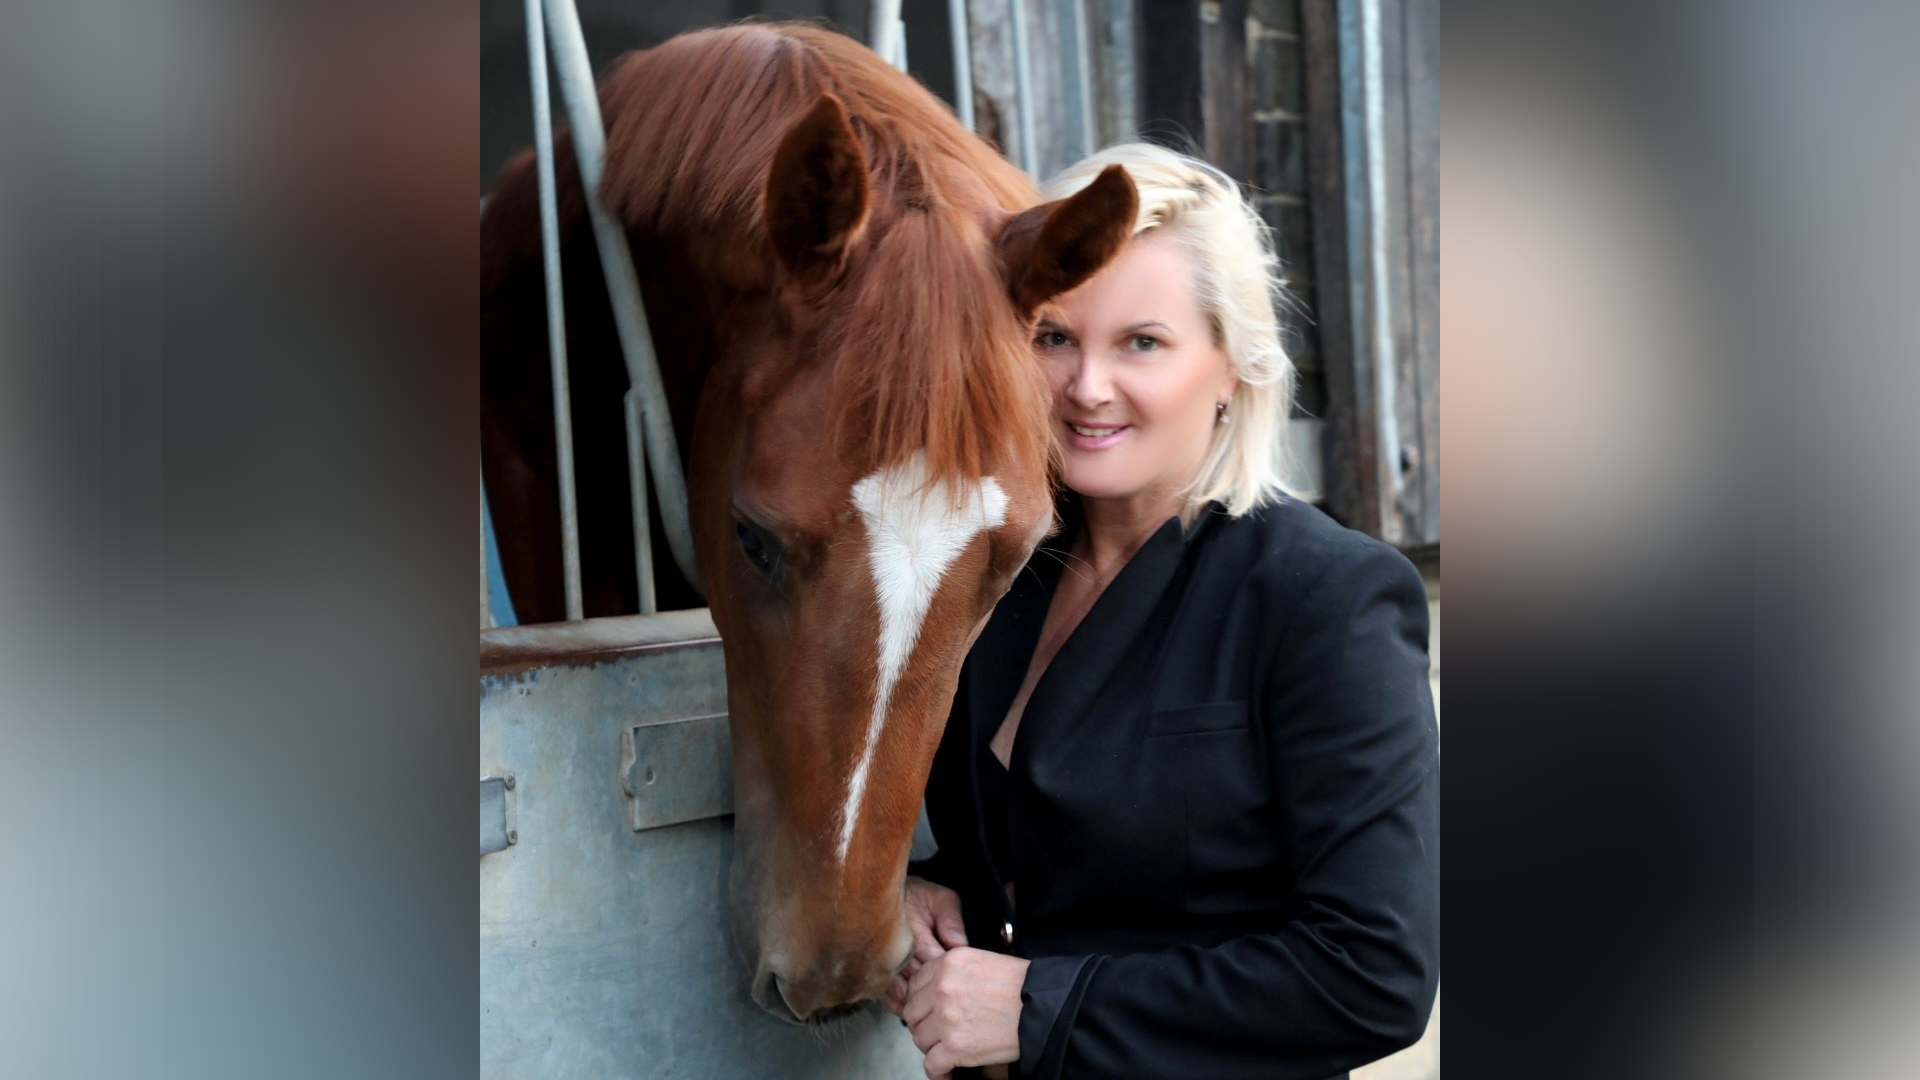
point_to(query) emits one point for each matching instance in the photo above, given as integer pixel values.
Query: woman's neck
(1114, 530)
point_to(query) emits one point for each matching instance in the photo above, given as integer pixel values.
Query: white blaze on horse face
(914, 533)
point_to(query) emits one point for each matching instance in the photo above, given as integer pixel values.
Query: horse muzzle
(819, 996)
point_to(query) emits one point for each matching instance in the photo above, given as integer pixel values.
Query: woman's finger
(926, 945)
(939, 1064)
(925, 974)
(916, 1008)
(924, 1036)
(947, 923)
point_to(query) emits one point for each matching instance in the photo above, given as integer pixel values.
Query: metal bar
(556, 308)
(1116, 98)
(1078, 75)
(883, 31)
(1023, 90)
(962, 62)
(1379, 257)
(575, 76)
(637, 494)
(1363, 356)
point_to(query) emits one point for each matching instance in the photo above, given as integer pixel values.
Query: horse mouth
(771, 994)
(829, 1016)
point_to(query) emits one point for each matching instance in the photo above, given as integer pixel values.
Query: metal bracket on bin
(677, 771)
(499, 827)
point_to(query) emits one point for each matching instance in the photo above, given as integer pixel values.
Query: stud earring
(1220, 413)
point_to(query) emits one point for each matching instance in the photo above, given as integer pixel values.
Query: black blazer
(1224, 809)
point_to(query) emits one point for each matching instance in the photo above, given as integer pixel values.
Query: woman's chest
(1070, 605)
(1152, 799)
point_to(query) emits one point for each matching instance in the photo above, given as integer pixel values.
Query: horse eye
(754, 545)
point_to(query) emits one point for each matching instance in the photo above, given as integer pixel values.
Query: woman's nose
(1090, 387)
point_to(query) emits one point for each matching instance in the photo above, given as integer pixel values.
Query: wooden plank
(1168, 59)
(1115, 107)
(990, 45)
(1194, 76)
(1348, 456)
(1372, 99)
(1226, 96)
(990, 30)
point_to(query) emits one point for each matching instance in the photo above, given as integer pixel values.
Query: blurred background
(236, 266)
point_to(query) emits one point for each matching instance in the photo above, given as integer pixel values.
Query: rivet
(649, 774)
(509, 782)
(513, 836)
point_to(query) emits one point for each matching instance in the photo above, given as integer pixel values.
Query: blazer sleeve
(1350, 975)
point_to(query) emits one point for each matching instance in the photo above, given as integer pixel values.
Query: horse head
(871, 469)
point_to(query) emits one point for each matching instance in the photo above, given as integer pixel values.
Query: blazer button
(1006, 932)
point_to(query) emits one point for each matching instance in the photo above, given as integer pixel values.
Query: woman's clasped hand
(962, 1004)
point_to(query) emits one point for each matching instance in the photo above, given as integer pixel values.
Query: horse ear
(1055, 246)
(816, 205)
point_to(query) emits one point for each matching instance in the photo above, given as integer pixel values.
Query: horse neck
(679, 298)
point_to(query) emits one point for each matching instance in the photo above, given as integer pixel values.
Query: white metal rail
(651, 446)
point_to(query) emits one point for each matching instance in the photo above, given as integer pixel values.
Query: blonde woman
(1187, 802)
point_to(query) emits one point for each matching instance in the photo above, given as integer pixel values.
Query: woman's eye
(1143, 343)
(754, 546)
(1052, 339)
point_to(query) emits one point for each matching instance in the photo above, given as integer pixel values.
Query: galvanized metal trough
(605, 835)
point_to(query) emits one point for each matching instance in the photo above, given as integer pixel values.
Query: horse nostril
(780, 990)
(767, 995)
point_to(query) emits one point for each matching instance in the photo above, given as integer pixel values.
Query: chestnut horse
(841, 282)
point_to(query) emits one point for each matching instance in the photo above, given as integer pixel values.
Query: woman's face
(1136, 375)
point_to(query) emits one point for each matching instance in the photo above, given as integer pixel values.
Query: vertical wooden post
(1373, 159)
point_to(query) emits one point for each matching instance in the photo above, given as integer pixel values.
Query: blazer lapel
(995, 668)
(1100, 644)
(998, 662)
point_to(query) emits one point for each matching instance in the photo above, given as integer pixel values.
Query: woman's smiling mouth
(1095, 436)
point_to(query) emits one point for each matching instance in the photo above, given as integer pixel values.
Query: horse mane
(928, 357)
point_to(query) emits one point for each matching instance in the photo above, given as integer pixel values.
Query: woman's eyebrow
(1137, 327)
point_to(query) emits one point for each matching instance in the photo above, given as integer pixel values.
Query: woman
(1187, 804)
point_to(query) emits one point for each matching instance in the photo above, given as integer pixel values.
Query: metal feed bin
(605, 834)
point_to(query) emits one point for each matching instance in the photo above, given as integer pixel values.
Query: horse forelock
(928, 358)
(929, 363)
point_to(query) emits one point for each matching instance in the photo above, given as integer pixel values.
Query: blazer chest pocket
(1214, 716)
(1226, 803)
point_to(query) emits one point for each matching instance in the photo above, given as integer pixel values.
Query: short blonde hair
(1237, 282)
